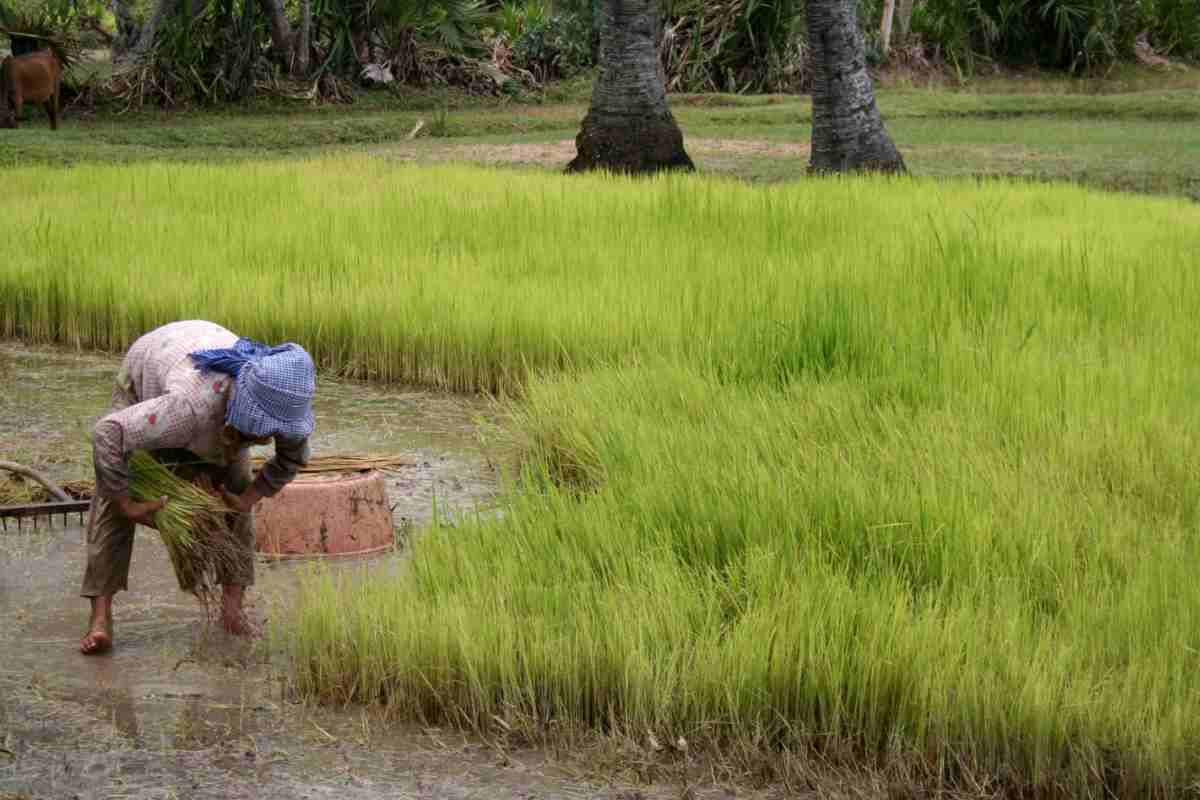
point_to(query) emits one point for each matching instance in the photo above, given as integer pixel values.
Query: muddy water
(179, 709)
(52, 397)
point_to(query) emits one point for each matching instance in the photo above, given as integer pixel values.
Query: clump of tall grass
(194, 525)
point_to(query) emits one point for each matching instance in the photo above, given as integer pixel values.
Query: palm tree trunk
(629, 127)
(304, 39)
(848, 133)
(162, 10)
(885, 26)
(281, 31)
(903, 20)
(127, 29)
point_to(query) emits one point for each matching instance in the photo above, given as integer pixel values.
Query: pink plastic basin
(325, 515)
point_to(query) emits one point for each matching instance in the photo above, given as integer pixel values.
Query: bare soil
(557, 154)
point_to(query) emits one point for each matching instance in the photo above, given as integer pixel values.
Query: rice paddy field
(891, 473)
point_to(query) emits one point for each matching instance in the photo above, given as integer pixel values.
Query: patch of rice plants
(814, 571)
(881, 471)
(472, 279)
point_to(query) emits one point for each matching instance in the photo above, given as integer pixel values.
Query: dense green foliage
(708, 45)
(554, 47)
(756, 45)
(1066, 34)
(210, 57)
(34, 24)
(732, 45)
(21, 16)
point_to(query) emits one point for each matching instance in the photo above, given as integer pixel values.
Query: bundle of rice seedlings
(196, 527)
(339, 462)
(13, 491)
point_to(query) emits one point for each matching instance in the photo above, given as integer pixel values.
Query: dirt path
(552, 154)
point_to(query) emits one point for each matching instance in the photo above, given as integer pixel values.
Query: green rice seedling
(195, 526)
(888, 470)
(810, 571)
(476, 290)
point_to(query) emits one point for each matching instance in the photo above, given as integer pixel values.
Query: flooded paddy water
(52, 398)
(180, 710)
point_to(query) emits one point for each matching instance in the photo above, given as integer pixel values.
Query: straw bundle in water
(195, 526)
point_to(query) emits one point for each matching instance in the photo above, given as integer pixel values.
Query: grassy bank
(1141, 139)
(893, 472)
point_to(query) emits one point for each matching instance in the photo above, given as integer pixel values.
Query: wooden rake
(63, 504)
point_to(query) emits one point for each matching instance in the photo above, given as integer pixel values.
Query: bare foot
(238, 624)
(99, 637)
(233, 615)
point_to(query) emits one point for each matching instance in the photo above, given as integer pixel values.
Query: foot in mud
(233, 614)
(238, 624)
(96, 642)
(99, 637)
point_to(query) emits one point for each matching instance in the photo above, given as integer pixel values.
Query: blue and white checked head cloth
(275, 387)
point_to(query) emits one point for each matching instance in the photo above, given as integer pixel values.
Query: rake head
(60, 503)
(35, 512)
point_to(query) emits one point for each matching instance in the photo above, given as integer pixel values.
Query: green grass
(1141, 139)
(889, 472)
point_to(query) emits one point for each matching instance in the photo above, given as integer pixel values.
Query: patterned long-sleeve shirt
(161, 401)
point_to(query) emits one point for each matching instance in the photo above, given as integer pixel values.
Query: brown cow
(33, 78)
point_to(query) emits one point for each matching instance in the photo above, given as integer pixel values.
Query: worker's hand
(243, 503)
(141, 513)
(204, 482)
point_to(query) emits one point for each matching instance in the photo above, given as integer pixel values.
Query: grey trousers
(110, 533)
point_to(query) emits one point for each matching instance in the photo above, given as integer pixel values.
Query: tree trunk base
(848, 134)
(880, 157)
(630, 147)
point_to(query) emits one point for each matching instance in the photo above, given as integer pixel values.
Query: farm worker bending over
(194, 392)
